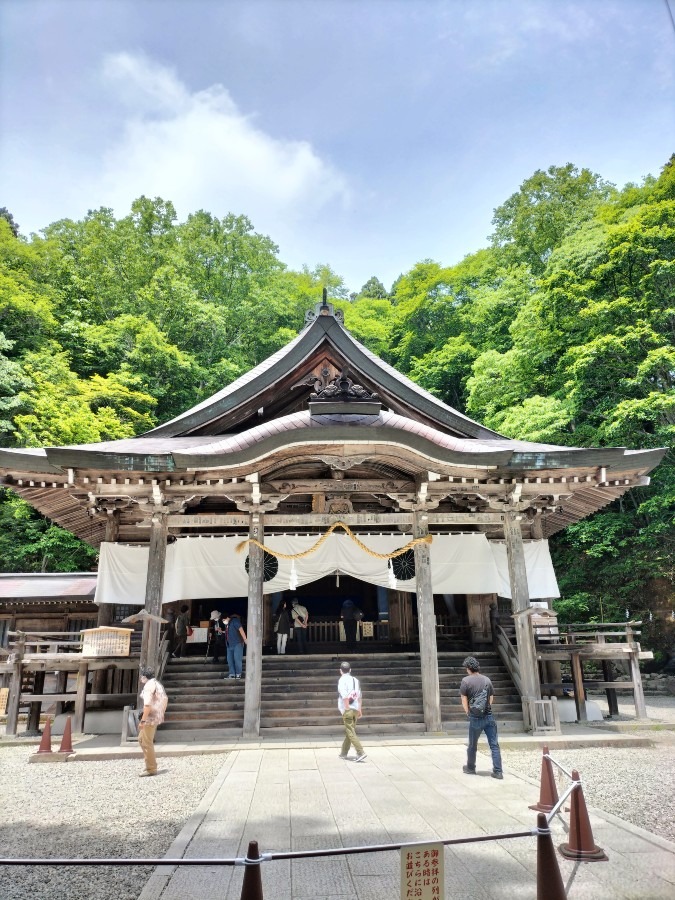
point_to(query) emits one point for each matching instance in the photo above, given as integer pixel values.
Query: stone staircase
(299, 694)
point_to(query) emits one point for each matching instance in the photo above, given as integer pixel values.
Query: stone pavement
(303, 797)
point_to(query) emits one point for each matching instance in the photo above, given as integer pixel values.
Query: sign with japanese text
(422, 873)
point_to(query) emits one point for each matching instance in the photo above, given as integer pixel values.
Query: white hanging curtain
(209, 568)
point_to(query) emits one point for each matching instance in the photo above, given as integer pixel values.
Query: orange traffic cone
(580, 844)
(548, 792)
(251, 889)
(46, 742)
(549, 880)
(66, 740)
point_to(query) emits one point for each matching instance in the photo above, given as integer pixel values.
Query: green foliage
(374, 289)
(11, 381)
(64, 409)
(563, 333)
(534, 220)
(29, 543)
(9, 218)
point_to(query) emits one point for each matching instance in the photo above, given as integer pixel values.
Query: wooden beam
(254, 630)
(33, 724)
(307, 520)
(80, 698)
(345, 485)
(579, 690)
(13, 701)
(154, 588)
(520, 601)
(426, 621)
(638, 693)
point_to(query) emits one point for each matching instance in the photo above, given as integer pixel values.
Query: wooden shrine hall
(235, 498)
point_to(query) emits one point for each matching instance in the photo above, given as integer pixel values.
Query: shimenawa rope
(425, 539)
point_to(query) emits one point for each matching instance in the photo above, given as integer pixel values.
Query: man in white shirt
(300, 618)
(350, 704)
(154, 706)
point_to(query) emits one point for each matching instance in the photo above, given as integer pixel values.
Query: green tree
(61, 408)
(374, 289)
(548, 205)
(30, 543)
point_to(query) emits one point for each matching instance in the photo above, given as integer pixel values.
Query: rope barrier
(264, 857)
(425, 539)
(556, 763)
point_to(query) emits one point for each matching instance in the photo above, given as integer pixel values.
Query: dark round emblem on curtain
(270, 566)
(404, 566)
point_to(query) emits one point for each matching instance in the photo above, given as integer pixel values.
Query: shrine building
(324, 473)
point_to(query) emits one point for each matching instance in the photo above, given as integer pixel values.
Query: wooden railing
(508, 654)
(447, 628)
(38, 653)
(577, 634)
(43, 642)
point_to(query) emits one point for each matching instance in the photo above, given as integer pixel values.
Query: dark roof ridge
(256, 380)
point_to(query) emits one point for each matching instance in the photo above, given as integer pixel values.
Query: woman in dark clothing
(282, 626)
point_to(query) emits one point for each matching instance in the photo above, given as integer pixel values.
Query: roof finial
(323, 309)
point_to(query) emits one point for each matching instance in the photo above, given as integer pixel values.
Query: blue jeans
(235, 656)
(477, 724)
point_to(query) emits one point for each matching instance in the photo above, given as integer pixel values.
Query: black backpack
(479, 702)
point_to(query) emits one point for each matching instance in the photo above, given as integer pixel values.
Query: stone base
(49, 757)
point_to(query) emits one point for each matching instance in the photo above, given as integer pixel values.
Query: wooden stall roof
(42, 585)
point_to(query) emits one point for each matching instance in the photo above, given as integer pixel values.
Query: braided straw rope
(426, 539)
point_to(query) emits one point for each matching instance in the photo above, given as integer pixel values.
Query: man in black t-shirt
(477, 695)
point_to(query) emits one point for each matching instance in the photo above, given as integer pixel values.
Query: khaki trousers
(349, 718)
(146, 738)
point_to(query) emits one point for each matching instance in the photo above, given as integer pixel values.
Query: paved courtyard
(307, 798)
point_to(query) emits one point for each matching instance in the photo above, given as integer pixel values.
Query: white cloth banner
(541, 580)
(210, 568)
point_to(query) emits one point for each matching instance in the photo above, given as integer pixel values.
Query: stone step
(299, 693)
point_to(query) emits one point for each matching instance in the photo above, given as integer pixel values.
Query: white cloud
(200, 151)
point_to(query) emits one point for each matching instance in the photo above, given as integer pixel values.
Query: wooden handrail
(509, 656)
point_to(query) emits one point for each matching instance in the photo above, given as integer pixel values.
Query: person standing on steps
(235, 639)
(300, 623)
(219, 648)
(350, 704)
(477, 695)
(351, 615)
(154, 706)
(282, 626)
(181, 627)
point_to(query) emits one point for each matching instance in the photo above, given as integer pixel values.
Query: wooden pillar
(61, 687)
(33, 724)
(112, 533)
(426, 621)
(14, 699)
(154, 588)
(638, 692)
(254, 630)
(80, 697)
(520, 602)
(579, 690)
(105, 610)
(610, 693)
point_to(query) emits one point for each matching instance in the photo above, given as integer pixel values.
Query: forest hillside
(560, 330)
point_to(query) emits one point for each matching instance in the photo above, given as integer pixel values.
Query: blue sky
(367, 134)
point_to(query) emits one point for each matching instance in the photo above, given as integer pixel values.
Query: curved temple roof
(272, 421)
(328, 334)
(302, 429)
